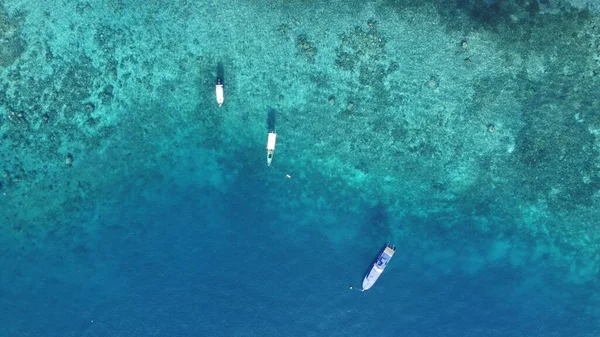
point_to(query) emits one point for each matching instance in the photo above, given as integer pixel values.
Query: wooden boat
(271, 139)
(219, 92)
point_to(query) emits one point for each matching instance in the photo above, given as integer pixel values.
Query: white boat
(382, 260)
(219, 92)
(271, 139)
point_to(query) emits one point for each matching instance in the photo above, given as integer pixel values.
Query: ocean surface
(467, 133)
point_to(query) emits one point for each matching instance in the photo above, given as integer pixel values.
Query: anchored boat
(219, 92)
(271, 139)
(382, 260)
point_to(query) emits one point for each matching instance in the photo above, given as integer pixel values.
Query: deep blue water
(201, 263)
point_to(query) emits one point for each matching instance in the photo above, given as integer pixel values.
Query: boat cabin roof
(389, 251)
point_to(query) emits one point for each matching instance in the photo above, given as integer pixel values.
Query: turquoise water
(466, 133)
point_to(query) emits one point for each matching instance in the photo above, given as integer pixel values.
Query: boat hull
(269, 157)
(378, 267)
(219, 93)
(271, 141)
(370, 279)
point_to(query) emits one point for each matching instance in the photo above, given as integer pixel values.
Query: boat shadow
(271, 119)
(220, 72)
(376, 225)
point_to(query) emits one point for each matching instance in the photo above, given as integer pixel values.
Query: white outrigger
(382, 260)
(219, 92)
(271, 139)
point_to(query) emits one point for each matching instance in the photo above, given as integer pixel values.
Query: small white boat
(272, 138)
(382, 260)
(219, 92)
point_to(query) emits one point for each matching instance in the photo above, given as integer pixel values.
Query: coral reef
(430, 120)
(364, 51)
(11, 43)
(306, 48)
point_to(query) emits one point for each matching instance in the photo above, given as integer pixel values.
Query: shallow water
(132, 205)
